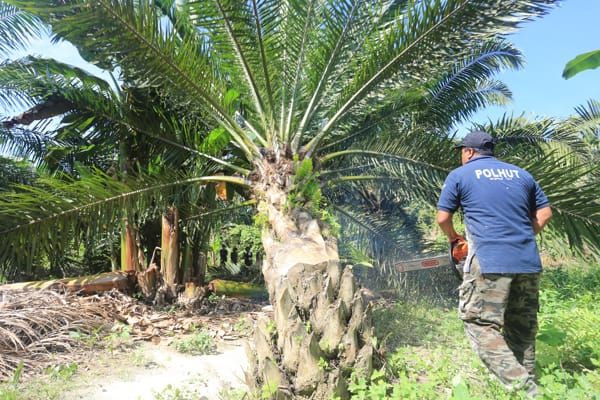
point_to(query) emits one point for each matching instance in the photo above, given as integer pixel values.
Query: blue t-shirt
(498, 200)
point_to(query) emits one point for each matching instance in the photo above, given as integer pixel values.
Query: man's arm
(540, 219)
(444, 220)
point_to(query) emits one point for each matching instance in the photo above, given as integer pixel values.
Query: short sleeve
(541, 200)
(450, 197)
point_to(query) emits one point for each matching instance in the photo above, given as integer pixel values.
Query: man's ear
(471, 153)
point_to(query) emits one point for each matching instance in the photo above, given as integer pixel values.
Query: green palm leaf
(56, 210)
(18, 28)
(407, 41)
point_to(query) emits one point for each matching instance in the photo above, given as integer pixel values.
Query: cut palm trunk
(85, 284)
(244, 290)
(321, 329)
(130, 261)
(169, 258)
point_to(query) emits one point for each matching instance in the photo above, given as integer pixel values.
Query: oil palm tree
(311, 97)
(97, 125)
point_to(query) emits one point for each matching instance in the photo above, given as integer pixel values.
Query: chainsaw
(454, 259)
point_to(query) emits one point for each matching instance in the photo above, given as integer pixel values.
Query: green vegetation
(267, 391)
(173, 393)
(243, 326)
(569, 334)
(306, 194)
(583, 62)
(9, 391)
(119, 337)
(431, 357)
(55, 380)
(198, 343)
(233, 394)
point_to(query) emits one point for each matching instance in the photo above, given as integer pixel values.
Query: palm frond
(102, 116)
(574, 201)
(518, 135)
(469, 85)
(375, 223)
(407, 41)
(415, 163)
(28, 143)
(234, 20)
(586, 123)
(56, 210)
(339, 26)
(132, 35)
(18, 29)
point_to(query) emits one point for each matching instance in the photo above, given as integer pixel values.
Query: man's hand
(459, 250)
(444, 220)
(540, 219)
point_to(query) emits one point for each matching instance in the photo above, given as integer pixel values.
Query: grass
(57, 379)
(48, 386)
(430, 357)
(197, 343)
(171, 392)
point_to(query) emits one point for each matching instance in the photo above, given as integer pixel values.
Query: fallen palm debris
(39, 328)
(36, 327)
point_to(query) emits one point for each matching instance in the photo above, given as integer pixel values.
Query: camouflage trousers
(500, 316)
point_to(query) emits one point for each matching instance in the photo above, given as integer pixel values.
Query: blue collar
(479, 158)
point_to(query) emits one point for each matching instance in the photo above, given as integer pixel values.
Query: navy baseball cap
(477, 140)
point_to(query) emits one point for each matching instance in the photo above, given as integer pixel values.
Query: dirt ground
(142, 353)
(157, 371)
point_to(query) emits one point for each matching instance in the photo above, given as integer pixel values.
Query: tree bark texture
(84, 284)
(129, 248)
(169, 256)
(321, 330)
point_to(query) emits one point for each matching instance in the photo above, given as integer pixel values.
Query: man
(504, 208)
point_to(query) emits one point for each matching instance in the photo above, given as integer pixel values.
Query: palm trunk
(129, 248)
(187, 263)
(200, 262)
(321, 329)
(169, 258)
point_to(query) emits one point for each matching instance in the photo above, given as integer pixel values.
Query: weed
(91, 339)
(268, 390)
(174, 393)
(119, 337)
(49, 386)
(242, 326)
(232, 394)
(213, 298)
(271, 327)
(139, 358)
(199, 343)
(323, 364)
(62, 371)
(430, 357)
(10, 390)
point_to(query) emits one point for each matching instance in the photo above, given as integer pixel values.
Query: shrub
(198, 343)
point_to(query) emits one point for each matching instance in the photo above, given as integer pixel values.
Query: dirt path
(158, 372)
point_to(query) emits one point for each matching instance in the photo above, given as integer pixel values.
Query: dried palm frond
(41, 327)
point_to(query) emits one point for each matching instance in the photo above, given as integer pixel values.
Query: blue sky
(548, 44)
(538, 89)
